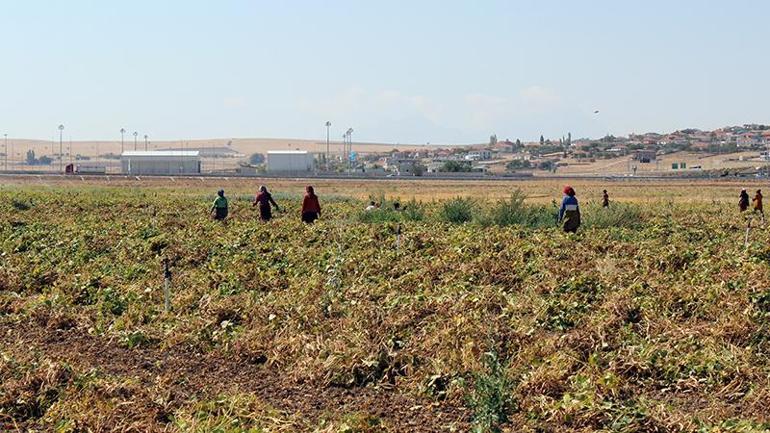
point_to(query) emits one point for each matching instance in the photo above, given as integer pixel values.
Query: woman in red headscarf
(569, 213)
(311, 209)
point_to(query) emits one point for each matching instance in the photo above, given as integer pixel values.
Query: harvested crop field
(481, 315)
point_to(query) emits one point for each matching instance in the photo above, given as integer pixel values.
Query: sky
(419, 71)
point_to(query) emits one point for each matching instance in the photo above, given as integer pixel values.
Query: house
(478, 155)
(645, 155)
(750, 139)
(402, 165)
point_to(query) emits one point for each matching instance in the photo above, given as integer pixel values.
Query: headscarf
(221, 193)
(568, 190)
(262, 188)
(309, 190)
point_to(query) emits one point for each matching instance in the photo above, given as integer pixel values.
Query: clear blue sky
(396, 71)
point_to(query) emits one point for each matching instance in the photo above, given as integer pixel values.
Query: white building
(479, 155)
(289, 161)
(160, 162)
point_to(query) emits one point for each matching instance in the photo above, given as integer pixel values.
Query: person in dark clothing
(264, 200)
(219, 208)
(311, 209)
(743, 200)
(605, 199)
(569, 213)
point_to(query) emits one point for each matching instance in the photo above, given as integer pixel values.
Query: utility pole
(122, 131)
(136, 134)
(145, 142)
(6, 151)
(61, 149)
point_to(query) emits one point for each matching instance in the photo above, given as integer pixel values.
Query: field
(481, 316)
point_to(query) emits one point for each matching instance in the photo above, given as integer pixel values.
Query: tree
(256, 158)
(31, 157)
(518, 144)
(419, 169)
(493, 139)
(569, 139)
(456, 167)
(542, 140)
(518, 164)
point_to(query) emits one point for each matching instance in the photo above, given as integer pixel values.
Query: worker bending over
(219, 208)
(569, 213)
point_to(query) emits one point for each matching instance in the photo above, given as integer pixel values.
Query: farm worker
(758, 204)
(311, 209)
(264, 199)
(743, 201)
(372, 206)
(605, 199)
(220, 206)
(569, 213)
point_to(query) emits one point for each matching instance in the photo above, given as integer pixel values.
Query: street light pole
(145, 141)
(328, 124)
(349, 152)
(61, 149)
(135, 135)
(122, 131)
(6, 151)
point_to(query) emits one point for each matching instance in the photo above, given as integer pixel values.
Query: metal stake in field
(166, 286)
(748, 229)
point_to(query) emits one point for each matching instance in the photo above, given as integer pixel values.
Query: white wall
(138, 165)
(289, 162)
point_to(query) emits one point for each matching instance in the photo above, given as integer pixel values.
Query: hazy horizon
(401, 72)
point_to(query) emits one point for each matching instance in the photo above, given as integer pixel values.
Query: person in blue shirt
(569, 213)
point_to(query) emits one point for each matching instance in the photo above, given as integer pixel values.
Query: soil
(189, 374)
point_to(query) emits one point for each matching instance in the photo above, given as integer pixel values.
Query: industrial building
(289, 161)
(160, 162)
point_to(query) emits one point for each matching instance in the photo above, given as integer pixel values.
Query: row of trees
(32, 160)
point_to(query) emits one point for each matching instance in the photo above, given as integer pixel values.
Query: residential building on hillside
(479, 155)
(645, 155)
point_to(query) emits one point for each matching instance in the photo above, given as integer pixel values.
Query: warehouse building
(160, 162)
(289, 161)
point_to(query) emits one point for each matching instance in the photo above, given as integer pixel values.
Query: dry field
(456, 314)
(537, 190)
